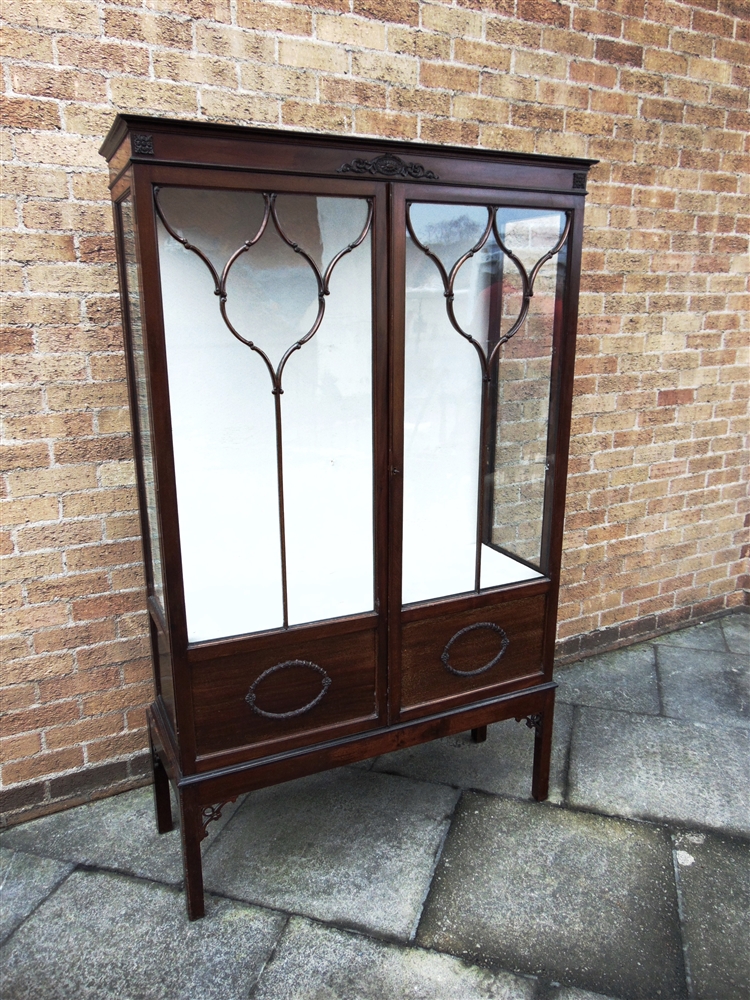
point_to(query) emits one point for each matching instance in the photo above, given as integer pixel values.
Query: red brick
(84, 731)
(19, 112)
(117, 746)
(39, 717)
(83, 682)
(597, 22)
(545, 11)
(108, 605)
(42, 765)
(618, 52)
(390, 11)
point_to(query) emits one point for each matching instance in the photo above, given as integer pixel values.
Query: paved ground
(429, 874)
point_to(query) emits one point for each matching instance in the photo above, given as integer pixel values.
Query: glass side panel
(273, 450)
(143, 414)
(477, 384)
(520, 389)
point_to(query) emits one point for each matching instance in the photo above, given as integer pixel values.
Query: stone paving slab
(706, 635)
(660, 769)
(624, 680)
(572, 994)
(704, 684)
(313, 962)
(358, 847)
(580, 899)
(736, 629)
(24, 882)
(501, 765)
(714, 884)
(118, 833)
(108, 937)
(347, 845)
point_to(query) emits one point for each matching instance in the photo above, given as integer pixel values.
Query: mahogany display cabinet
(350, 370)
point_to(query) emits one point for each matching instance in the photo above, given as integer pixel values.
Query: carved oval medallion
(389, 166)
(286, 665)
(504, 642)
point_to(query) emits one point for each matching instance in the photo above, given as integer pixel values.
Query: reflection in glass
(482, 287)
(520, 392)
(143, 414)
(272, 427)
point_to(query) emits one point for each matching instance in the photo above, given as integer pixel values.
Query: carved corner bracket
(534, 722)
(210, 814)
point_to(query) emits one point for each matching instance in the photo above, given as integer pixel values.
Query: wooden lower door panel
(463, 656)
(284, 694)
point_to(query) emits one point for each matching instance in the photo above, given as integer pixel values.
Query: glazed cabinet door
(484, 278)
(272, 348)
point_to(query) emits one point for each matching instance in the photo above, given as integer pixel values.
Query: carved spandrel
(210, 814)
(534, 722)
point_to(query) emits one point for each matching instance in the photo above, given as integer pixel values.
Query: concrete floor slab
(103, 936)
(117, 833)
(714, 884)
(350, 846)
(501, 765)
(624, 680)
(25, 881)
(705, 635)
(704, 685)
(580, 899)
(736, 629)
(660, 769)
(313, 962)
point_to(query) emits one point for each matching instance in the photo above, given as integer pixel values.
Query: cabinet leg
(479, 735)
(162, 801)
(542, 751)
(191, 831)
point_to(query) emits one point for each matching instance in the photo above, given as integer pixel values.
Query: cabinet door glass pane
(477, 381)
(273, 450)
(143, 411)
(442, 396)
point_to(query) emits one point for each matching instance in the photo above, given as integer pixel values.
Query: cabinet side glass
(142, 415)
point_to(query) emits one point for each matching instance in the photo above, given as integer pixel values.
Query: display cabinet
(350, 367)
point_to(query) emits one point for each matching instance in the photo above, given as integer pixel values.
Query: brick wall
(656, 89)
